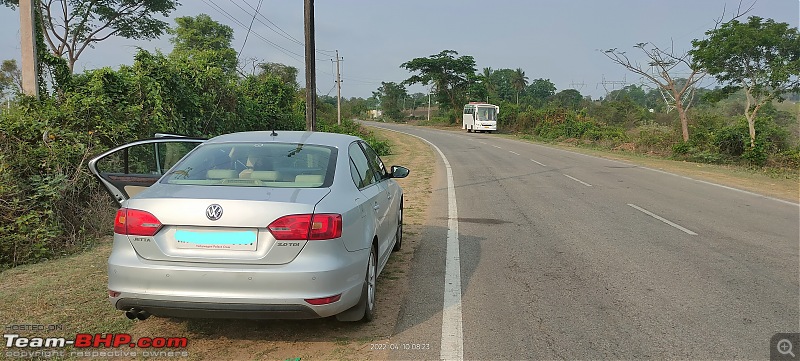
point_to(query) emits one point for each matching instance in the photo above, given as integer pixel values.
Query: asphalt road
(562, 255)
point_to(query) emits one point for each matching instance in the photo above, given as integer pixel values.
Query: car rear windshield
(282, 165)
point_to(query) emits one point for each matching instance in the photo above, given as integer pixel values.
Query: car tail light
(323, 300)
(301, 227)
(134, 222)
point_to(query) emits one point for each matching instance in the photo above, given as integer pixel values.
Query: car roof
(285, 136)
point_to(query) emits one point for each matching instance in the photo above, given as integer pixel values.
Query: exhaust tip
(131, 315)
(143, 315)
(135, 313)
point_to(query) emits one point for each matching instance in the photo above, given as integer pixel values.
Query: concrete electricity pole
(338, 91)
(28, 46)
(311, 71)
(429, 104)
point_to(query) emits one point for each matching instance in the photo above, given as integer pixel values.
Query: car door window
(130, 168)
(375, 161)
(362, 173)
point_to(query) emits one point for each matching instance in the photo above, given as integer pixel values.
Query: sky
(558, 40)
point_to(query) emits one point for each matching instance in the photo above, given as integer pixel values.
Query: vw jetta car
(250, 225)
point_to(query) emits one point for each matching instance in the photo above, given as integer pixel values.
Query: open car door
(130, 168)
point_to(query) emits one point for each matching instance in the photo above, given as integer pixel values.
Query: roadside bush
(756, 155)
(731, 140)
(654, 138)
(48, 208)
(788, 159)
(382, 147)
(51, 205)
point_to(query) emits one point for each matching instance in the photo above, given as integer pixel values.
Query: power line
(295, 56)
(282, 32)
(249, 28)
(288, 52)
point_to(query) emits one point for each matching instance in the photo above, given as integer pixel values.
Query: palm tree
(486, 77)
(519, 81)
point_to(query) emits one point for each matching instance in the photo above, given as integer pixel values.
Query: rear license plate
(217, 240)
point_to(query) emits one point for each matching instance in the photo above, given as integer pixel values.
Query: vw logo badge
(214, 212)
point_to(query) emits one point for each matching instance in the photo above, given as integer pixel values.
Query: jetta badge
(214, 212)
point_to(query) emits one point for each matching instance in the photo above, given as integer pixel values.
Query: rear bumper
(184, 309)
(186, 289)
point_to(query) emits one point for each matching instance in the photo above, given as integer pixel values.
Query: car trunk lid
(221, 224)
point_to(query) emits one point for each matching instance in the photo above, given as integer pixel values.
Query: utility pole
(338, 91)
(311, 71)
(429, 104)
(28, 46)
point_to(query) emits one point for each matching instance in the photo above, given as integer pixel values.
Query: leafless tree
(661, 68)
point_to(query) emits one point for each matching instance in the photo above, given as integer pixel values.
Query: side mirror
(399, 172)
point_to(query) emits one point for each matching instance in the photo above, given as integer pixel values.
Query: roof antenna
(273, 129)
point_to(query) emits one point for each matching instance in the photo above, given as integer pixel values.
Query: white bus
(480, 116)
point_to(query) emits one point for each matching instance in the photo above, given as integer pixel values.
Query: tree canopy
(202, 35)
(286, 73)
(760, 56)
(10, 78)
(448, 74)
(519, 81)
(69, 27)
(390, 95)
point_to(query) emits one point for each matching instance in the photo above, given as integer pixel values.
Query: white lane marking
(532, 160)
(513, 152)
(632, 165)
(482, 142)
(452, 347)
(651, 214)
(495, 146)
(578, 180)
(723, 186)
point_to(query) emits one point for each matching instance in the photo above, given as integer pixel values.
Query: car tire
(370, 284)
(364, 310)
(398, 236)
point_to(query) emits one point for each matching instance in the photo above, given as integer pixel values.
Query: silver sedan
(250, 225)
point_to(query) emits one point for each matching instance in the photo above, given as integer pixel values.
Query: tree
(202, 35)
(417, 99)
(540, 90)
(569, 98)
(390, 95)
(71, 26)
(10, 77)
(503, 89)
(448, 74)
(519, 81)
(488, 82)
(286, 73)
(660, 68)
(760, 56)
